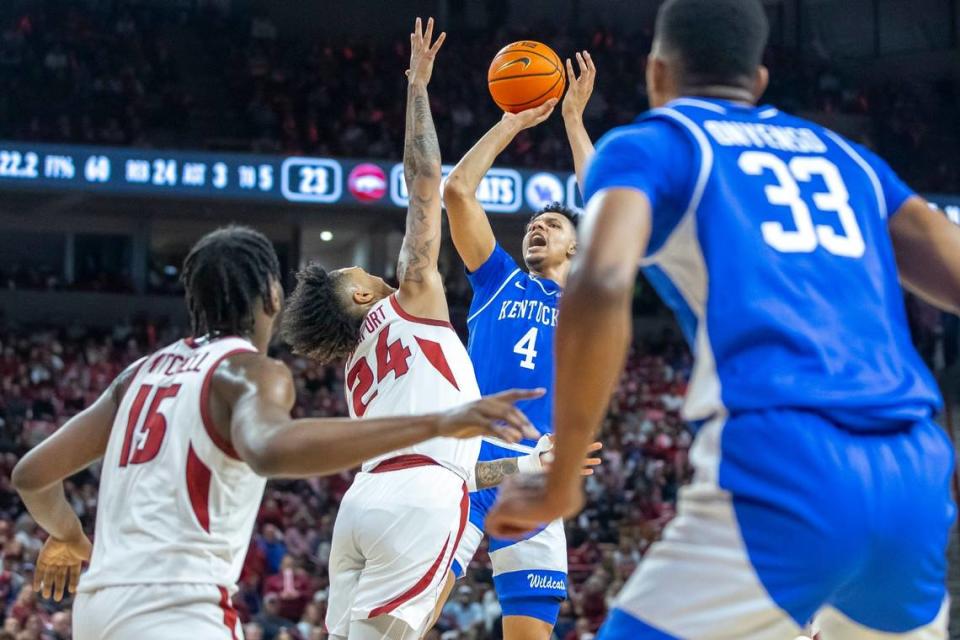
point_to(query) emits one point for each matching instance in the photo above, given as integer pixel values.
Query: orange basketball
(524, 75)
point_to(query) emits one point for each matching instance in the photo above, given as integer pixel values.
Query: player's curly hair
(225, 274)
(557, 207)
(316, 322)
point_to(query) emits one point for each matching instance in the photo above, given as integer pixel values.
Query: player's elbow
(266, 462)
(266, 456)
(25, 478)
(262, 454)
(456, 189)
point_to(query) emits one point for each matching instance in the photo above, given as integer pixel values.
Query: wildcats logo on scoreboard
(500, 191)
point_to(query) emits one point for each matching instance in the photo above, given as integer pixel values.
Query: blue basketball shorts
(530, 575)
(792, 520)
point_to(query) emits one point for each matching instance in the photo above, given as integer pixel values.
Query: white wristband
(529, 463)
(533, 463)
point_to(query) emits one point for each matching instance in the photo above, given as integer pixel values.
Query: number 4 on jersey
(527, 347)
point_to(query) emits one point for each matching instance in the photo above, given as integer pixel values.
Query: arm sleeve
(654, 157)
(491, 274)
(894, 190)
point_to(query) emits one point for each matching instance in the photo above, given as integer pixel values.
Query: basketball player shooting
(821, 483)
(511, 322)
(401, 522)
(187, 437)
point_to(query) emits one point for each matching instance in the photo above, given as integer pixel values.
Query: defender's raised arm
(421, 288)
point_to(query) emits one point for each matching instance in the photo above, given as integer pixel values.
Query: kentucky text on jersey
(513, 316)
(530, 310)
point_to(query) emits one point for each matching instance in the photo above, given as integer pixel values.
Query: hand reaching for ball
(530, 117)
(579, 89)
(423, 53)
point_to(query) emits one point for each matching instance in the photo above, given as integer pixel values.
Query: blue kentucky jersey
(769, 240)
(512, 320)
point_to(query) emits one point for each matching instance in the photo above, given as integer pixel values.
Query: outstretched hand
(524, 504)
(494, 416)
(589, 462)
(579, 89)
(423, 53)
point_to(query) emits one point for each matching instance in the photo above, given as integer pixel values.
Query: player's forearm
(422, 172)
(421, 149)
(50, 509)
(311, 447)
(465, 178)
(592, 339)
(580, 145)
(493, 472)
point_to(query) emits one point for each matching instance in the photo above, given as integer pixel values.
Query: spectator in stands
(292, 586)
(583, 630)
(463, 611)
(60, 627)
(273, 546)
(269, 618)
(313, 616)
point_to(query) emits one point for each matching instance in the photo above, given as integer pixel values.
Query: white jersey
(176, 504)
(406, 365)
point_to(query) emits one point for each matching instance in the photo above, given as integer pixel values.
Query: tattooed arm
(421, 288)
(492, 473)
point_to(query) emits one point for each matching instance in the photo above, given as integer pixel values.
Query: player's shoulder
(652, 154)
(251, 369)
(649, 128)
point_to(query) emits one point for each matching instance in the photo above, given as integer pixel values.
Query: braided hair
(317, 322)
(224, 275)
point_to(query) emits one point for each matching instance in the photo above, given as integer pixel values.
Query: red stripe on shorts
(428, 577)
(229, 613)
(464, 511)
(408, 461)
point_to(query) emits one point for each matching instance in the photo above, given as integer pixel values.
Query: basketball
(524, 75)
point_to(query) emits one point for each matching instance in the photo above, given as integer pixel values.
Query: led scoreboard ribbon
(295, 179)
(279, 179)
